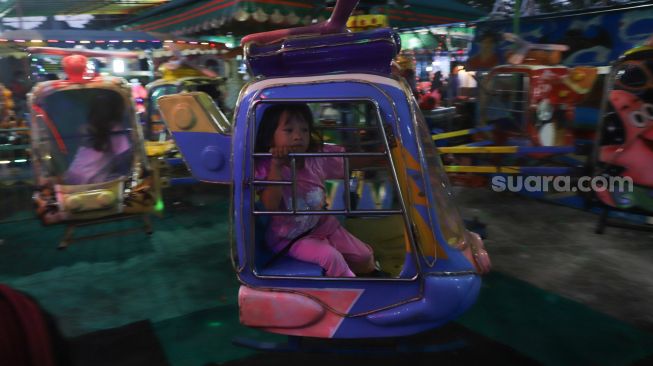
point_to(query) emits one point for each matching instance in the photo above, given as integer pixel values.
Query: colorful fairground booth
(623, 153)
(386, 187)
(553, 98)
(546, 76)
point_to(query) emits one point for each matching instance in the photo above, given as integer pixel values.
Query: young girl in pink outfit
(320, 239)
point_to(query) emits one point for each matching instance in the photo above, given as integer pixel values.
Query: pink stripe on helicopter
(302, 312)
(52, 128)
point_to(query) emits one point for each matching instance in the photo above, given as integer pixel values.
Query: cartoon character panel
(626, 137)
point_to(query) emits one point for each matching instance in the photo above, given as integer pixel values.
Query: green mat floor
(180, 278)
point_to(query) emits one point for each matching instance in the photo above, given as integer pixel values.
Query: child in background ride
(107, 154)
(320, 239)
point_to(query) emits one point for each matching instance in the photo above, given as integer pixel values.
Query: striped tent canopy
(184, 17)
(15, 42)
(421, 13)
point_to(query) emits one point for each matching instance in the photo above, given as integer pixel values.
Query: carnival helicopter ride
(431, 264)
(177, 76)
(623, 153)
(210, 85)
(88, 156)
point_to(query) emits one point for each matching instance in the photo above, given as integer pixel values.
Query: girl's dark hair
(270, 122)
(107, 109)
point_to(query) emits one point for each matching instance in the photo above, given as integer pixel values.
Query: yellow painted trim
(447, 135)
(478, 149)
(638, 49)
(481, 169)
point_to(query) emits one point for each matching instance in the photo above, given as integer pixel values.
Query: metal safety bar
(345, 128)
(293, 183)
(14, 129)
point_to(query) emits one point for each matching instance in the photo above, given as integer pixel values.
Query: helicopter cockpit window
(507, 99)
(83, 136)
(448, 217)
(339, 197)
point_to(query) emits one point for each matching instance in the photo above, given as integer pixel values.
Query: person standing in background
(454, 83)
(19, 88)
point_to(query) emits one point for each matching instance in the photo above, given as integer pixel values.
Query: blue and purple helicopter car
(402, 206)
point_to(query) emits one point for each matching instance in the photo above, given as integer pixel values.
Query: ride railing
(440, 118)
(479, 148)
(348, 210)
(14, 154)
(11, 140)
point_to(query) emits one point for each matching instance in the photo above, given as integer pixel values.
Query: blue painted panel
(240, 174)
(206, 154)
(288, 266)
(445, 298)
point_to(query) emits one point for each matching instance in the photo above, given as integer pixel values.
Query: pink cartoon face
(634, 113)
(636, 153)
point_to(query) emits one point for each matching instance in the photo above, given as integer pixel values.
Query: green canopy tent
(443, 38)
(241, 17)
(421, 13)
